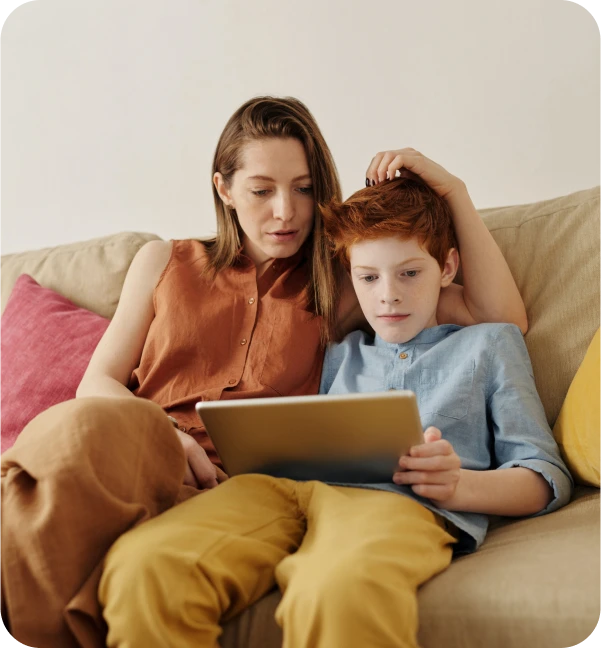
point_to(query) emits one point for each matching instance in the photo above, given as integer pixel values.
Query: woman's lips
(393, 318)
(284, 236)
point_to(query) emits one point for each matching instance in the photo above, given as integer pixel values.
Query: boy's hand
(384, 166)
(431, 468)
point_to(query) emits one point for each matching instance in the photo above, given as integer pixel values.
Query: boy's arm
(489, 292)
(530, 477)
(529, 470)
(514, 492)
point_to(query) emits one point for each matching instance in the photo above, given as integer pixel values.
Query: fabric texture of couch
(535, 581)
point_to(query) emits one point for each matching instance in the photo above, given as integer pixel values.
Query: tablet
(348, 438)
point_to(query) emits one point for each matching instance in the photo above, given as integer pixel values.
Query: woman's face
(272, 194)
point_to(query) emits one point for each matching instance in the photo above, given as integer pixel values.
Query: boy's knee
(346, 584)
(337, 581)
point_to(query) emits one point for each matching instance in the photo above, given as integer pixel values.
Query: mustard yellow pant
(347, 560)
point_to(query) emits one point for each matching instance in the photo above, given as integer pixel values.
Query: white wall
(111, 109)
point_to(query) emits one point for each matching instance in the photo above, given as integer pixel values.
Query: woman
(244, 315)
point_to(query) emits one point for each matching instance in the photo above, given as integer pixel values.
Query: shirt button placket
(400, 369)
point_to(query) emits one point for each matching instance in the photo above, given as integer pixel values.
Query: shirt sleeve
(522, 436)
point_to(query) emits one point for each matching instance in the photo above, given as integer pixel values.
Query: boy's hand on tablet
(408, 162)
(432, 469)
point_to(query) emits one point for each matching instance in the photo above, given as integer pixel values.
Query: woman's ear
(450, 268)
(222, 189)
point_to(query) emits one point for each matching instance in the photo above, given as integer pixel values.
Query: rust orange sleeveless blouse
(232, 337)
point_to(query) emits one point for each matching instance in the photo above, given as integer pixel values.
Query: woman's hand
(432, 469)
(200, 471)
(408, 161)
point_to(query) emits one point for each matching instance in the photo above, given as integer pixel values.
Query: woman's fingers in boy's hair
(403, 162)
(385, 164)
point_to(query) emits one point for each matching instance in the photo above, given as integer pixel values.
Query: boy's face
(398, 284)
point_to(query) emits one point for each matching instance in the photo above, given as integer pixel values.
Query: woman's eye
(306, 190)
(261, 192)
(369, 278)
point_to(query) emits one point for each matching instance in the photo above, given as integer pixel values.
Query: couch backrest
(552, 249)
(90, 273)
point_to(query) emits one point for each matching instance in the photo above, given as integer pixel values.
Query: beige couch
(535, 582)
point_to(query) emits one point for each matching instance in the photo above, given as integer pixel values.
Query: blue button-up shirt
(476, 385)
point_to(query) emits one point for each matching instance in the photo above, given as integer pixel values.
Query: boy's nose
(390, 300)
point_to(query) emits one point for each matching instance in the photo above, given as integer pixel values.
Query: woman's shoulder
(160, 255)
(152, 257)
(189, 250)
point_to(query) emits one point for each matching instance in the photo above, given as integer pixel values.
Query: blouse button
(403, 356)
(243, 341)
(232, 381)
(251, 300)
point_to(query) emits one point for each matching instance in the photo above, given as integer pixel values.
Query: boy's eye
(368, 278)
(411, 273)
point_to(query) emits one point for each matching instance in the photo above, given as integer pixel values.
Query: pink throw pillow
(47, 342)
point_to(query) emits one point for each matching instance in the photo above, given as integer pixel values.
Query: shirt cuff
(561, 483)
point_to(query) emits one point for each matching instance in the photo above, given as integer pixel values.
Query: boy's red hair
(403, 207)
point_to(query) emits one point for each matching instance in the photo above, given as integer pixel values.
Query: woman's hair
(403, 207)
(281, 117)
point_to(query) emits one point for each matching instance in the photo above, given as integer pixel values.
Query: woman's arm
(118, 352)
(489, 293)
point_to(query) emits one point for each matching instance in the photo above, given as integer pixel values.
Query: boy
(475, 383)
(349, 560)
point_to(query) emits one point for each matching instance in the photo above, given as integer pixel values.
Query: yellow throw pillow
(577, 427)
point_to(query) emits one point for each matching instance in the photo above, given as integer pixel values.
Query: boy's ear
(224, 194)
(450, 268)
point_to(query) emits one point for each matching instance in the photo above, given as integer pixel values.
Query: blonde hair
(281, 117)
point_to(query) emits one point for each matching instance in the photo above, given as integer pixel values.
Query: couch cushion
(552, 249)
(577, 427)
(47, 343)
(90, 273)
(534, 583)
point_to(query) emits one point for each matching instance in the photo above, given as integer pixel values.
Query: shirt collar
(430, 335)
